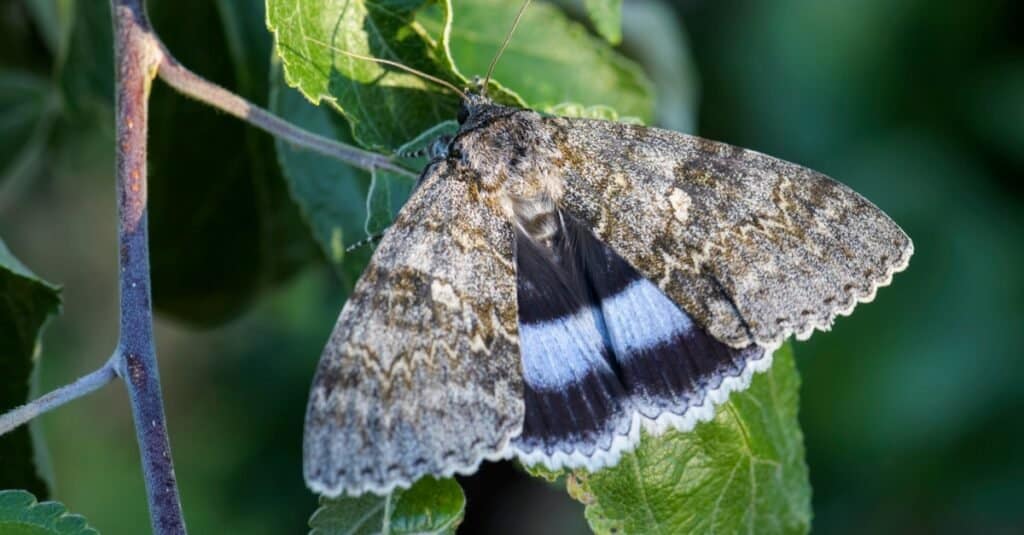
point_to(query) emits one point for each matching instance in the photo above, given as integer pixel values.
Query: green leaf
(333, 197)
(607, 18)
(388, 193)
(223, 228)
(20, 514)
(426, 138)
(606, 113)
(439, 14)
(28, 105)
(744, 471)
(658, 40)
(21, 37)
(550, 59)
(543, 472)
(430, 506)
(221, 225)
(53, 19)
(385, 106)
(250, 46)
(26, 302)
(86, 72)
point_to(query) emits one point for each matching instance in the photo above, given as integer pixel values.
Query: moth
(554, 286)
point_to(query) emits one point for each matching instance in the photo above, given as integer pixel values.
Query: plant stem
(137, 59)
(47, 402)
(199, 88)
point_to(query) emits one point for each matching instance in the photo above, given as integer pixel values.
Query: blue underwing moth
(555, 285)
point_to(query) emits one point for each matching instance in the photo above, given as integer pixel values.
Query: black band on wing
(574, 398)
(604, 351)
(551, 288)
(583, 416)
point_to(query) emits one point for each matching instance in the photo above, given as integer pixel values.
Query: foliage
(24, 138)
(324, 189)
(385, 106)
(429, 507)
(552, 60)
(20, 514)
(744, 471)
(553, 67)
(26, 302)
(240, 235)
(233, 215)
(555, 72)
(908, 407)
(607, 18)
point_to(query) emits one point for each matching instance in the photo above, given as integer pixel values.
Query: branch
(83, 386)
(189, 83)
(137, 60)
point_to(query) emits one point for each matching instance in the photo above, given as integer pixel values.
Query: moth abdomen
(537, 218)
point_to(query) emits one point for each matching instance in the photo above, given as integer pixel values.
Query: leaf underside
(337, 201)
(26, 302)
(222, 226)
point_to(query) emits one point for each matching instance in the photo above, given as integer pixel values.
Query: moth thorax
(537, 217)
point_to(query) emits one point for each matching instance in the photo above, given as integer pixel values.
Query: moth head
(507, 152)
(473, 101)
(475, 110)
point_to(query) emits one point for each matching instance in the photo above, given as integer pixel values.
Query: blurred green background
(911, 408)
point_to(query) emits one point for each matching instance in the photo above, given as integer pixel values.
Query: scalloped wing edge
(621, 444)
(625, 443)
(502, 452)
(856, 297)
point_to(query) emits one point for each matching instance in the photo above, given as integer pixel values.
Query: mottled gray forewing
(754, 248)
(421, 374)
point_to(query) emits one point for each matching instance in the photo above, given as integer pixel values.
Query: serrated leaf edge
(28, 504)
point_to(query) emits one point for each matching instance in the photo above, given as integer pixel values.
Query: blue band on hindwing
(604, 351)
(566, 349)
(640, 317)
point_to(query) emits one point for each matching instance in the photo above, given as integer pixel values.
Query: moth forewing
(755, 248)
(421, 374)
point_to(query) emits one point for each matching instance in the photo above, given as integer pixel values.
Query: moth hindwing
(556, 285)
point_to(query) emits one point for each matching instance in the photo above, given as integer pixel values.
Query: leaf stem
(81, 387)
(189, 83)
(137, 59)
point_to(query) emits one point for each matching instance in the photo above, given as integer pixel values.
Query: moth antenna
(405, 68)
(504, 45)
(364, 242)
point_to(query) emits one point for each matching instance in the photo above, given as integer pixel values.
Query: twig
(189, 83)
(141, 57)
(47, 402)
(137, 60)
